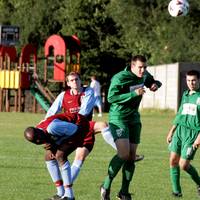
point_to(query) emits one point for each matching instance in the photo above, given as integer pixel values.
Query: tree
(150, 30)
(37, 19)
(110, 30)
(100, 35)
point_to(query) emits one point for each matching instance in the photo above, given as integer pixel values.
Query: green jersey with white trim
(189, 111)
(123, 98)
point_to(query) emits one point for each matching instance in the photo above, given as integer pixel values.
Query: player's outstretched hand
(153, 87)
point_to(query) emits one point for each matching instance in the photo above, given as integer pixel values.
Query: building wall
(172, 77)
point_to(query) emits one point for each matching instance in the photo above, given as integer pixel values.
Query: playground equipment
(62, 48)
(16, 78)
(19, 77)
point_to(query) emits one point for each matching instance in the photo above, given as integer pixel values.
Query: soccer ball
(178, 8)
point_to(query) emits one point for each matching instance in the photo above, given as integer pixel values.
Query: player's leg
(129, 166)
(175, 174)
(80, 155)
(188, 153)
(175, 152)
(103, 128)
(33, 135)
(61, 156)
(114, 166)
(58, 128)
(127, 174)
(123, 149)
(83, 151)
(99, 105)
(54, 171)
(66, 175)
(100, 111)
(191, 170)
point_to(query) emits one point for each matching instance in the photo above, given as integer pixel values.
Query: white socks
(75, 169)
(107, 136)
(67, 181)
(65, 169)
(54, 171)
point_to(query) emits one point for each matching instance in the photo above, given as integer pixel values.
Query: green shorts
(126, 130)
(182, 141)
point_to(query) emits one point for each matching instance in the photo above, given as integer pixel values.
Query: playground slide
(42, 95)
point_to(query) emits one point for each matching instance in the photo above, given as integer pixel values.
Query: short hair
(72, 74)
(138, 57)
(94, 77)
(193, 73)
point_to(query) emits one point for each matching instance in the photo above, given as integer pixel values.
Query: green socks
(194, 174)
(175, 179)
(127, 174)
(113, 168)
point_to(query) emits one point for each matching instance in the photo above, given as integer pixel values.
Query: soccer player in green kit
(125, 94)
(182, 137)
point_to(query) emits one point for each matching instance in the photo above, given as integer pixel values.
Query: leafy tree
(110, 30)
(99, 34)
(37, 19)
(150, 30)
(6, 8)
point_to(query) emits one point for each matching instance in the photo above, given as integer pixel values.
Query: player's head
(73, 80)
(35, 135)
(138, 65)
(193, 80)
(93, 77)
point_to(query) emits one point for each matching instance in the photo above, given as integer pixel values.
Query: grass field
(23, 175)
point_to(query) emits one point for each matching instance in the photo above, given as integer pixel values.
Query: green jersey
(123, 98)
(188, 114)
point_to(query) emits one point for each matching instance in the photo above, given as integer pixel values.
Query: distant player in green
(125, 94)
(182, 137)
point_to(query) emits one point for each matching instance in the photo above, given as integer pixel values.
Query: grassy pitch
(23, 174)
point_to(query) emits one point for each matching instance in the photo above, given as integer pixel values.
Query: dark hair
(94, 77)
(193, 73)
(72, 74)
(138, 57)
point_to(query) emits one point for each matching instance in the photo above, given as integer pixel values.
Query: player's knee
(48, 155)
(80, 157)
(81, 153)
(60, 157)
(104, 125)
(99, 126)
(174, 160)
(123, 149)
(174, 163)
(124, 155)
(184, 165)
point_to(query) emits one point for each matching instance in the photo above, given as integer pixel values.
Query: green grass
(23, 174)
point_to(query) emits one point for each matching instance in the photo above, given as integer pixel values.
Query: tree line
(110, 30)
